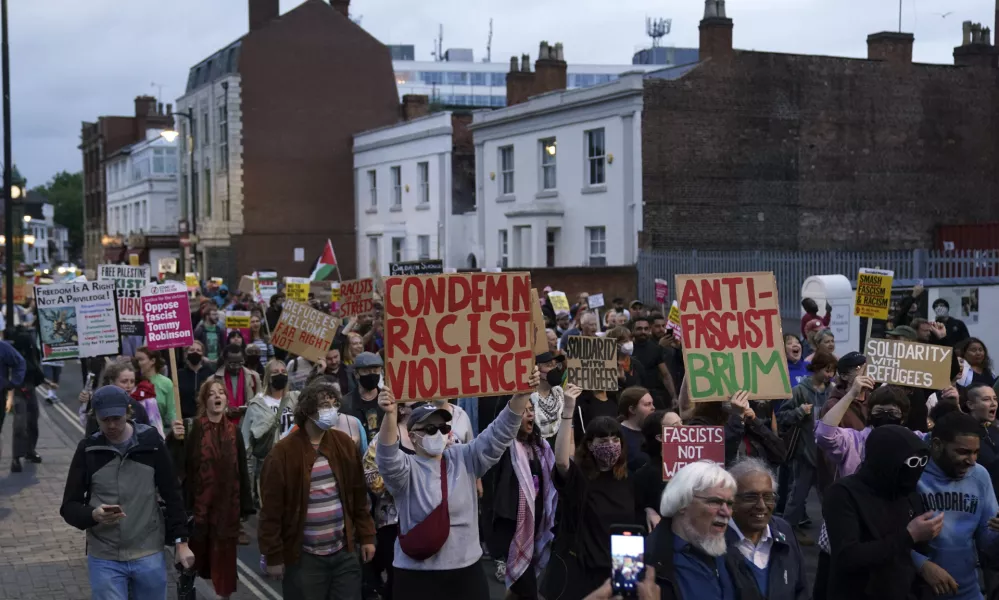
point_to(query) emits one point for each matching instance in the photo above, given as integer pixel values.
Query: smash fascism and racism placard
(732, 336)
(911, 364)
(673, 320)
(685, 445)
(458, 335)
(128, 284)
(77, 320)
(560, 302)
(297, 288)
(873, 293)
(304, 331)
(167, 314)
(357, 297)
(591, 362)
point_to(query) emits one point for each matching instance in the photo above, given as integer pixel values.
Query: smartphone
(114, 509)
(627, 559)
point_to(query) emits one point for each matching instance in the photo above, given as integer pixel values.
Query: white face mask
(627, 348)
(326, 418)
(433, 444)
(941, 311)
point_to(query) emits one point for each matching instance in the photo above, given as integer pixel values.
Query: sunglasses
(914, 462)
(433, 429)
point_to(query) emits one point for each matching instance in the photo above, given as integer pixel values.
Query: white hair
(690, 480)
(748, 466)
(589, 317)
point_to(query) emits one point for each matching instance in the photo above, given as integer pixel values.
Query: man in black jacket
(111, 493)
(875, 518)
(763, 546)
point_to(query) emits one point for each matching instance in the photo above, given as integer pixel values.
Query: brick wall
(611, 281)
(310, 81)
(789, 152)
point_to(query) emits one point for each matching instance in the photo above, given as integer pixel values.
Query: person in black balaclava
(875, 518)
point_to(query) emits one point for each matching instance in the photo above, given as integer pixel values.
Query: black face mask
(883, 419)
(554, 377)
(369, 381)
(194, 358)
(279, 382)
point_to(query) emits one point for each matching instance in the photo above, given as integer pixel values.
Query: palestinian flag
(325, 265)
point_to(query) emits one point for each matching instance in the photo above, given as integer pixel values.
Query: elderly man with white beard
(688, 548)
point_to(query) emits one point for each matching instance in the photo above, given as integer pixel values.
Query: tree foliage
(65, 193)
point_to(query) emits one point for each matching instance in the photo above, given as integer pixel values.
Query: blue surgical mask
(326, 418)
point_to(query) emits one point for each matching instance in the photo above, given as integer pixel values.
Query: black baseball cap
(424, 411)
(850, 360)
(548, 357)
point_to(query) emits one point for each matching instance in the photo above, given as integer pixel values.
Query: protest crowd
(392, 440)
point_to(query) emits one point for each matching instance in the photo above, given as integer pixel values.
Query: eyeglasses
(752, 499)
(433, 429)
(715, 502)
(914, 462)
(888, 410)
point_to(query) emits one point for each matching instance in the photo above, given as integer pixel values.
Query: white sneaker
(501, 571)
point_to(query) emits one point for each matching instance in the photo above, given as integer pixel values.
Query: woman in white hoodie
(269, 416)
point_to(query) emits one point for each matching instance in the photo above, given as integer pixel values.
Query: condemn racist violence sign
(591, 362)
(732, 336)
(458, 335)
(910, 364)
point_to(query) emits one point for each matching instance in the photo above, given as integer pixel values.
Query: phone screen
(114, 509)
(628, 562)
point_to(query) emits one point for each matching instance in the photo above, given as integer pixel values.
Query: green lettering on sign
(715, 374)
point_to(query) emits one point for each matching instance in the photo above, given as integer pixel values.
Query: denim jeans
(323, 577)
(110, 579)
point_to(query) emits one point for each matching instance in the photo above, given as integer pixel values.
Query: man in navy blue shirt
(12, 369)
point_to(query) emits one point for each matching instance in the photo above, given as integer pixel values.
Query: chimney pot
(263, 12)
(169, 109)
(525, 63)
(514, 64)
(965, 33)
(341, 6)
(159, 108)
(891, 47)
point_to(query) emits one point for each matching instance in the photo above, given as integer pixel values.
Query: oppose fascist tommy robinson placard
(458, 335)
(732, 336)
(167, 314)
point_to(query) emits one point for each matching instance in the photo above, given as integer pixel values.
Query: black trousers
(381, 563)
(469, 582)
(25, 422)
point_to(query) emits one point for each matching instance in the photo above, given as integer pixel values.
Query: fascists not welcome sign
(685, 445)
(732, 336)
(458, 335)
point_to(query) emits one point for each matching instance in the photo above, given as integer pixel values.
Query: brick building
(284, 101)
(760, 150)
(100, 140)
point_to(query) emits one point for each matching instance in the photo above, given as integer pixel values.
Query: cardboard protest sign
(77, 320)
(22, 289)
(685, 445)
(304, 331)
(732, 337)
(591, 362)
(673, 320)
(167, 265)
(458, 335)
(247, 284)
(596, 301)
(873, 293)
(911, 364)
(323, 290)
(560, 302)
(165, 310)
(357, 297)
(417, 267)
(662, 291)
(540, 336)
(266, 286)
(128, 284)
(296, 288)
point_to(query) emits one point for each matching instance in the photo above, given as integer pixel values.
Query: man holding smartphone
(111, 493)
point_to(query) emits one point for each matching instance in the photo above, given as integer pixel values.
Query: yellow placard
(674, 314)
(873, 299)
(191, 280)
(133, 260)
(237, 320)
(296, 288)
(560, 302)
(335, 292)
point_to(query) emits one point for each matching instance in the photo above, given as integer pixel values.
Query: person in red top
(812, 312)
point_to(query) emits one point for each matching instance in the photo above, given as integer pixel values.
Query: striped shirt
(324, 525)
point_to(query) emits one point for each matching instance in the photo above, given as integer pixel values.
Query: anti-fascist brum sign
(591, 362)
(167, 314)
(685, 445)
(458, 335)
(732, 336)
(909, 364)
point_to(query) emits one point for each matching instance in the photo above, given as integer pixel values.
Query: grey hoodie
(261, 421)
(792, 414)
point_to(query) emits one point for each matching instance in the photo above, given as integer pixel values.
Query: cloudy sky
(72, 60)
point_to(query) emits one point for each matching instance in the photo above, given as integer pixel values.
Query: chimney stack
(341, 6)
(976, 49)
(519, 81)
(891, 47)
(415, 106)
(145, 106)
(263, 12)
(169, 109)
(550, 74)
(716, 32)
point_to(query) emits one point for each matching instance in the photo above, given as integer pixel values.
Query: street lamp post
(192, 219)
(8, 208)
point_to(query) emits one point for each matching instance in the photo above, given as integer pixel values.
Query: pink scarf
(237, 397)
(527, 543)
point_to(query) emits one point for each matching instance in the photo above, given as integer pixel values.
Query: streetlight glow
(169, 135)
(15, 192)
(29, 239)
(27, 218)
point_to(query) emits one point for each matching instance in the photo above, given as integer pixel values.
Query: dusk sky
(74, 60)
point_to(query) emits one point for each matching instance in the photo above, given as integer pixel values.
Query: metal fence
(792, 268)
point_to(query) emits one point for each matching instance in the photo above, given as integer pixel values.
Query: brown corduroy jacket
(284, 494)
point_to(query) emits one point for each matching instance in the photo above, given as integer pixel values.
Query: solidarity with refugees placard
(732, 336)
(591, 362)
(910, 364)
(304, 331)
(458, 335)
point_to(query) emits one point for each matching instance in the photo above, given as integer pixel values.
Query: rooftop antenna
(489, 43)
(438, 52)
(657, 29)
(159, 87)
